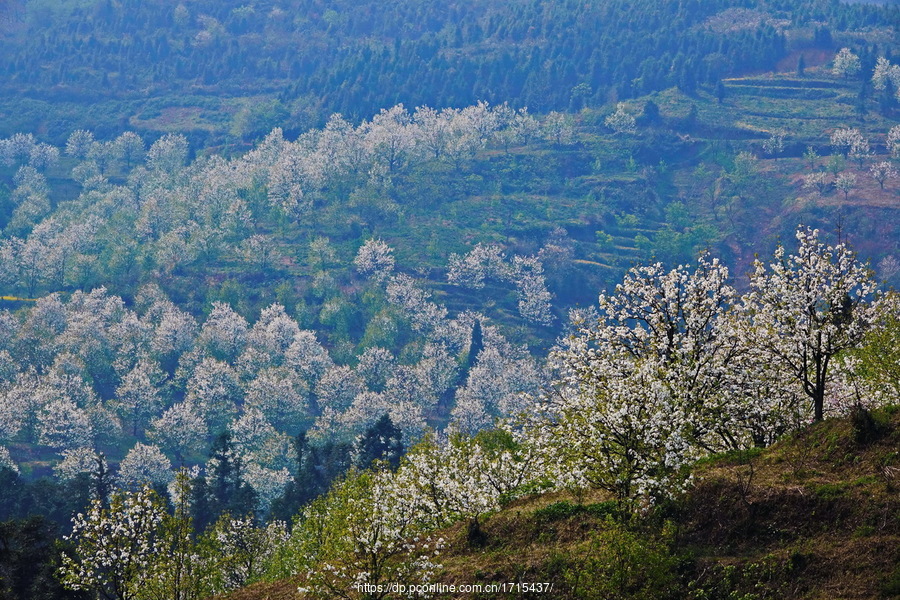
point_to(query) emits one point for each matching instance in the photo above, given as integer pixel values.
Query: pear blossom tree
(115, 546)
(180, 429)
(892, 141)
(288, 186)
(817, 181)
(280, 395)
(307, 355)
(76, 461)
(426, 317)
(487, 261)
(43, 156)
(79, 143)
(224, 333)
(376, 365)
(61, 424)
(621, 434)
(882, 172)
(375, 259)
(238, 550)
(846, 63)
(337, 388)
(130, 147)
(774, 145)
(885, 72)
(144, 465)
(138, 397)
(498, 385)
(214, 390)
(484, 261)
(846, 139)
(17, 149)
(104, 155)
(531, 288)
(274, 332)
(366, 530)
(640, 391)
(390, 137)
(434, 129)
(558, 128)
(174, 331)
(13, 413)
(6, 461)
(168, 154)
(524, 126)
(459, 477)
(809, 307)
(845, 182)
(621, 121)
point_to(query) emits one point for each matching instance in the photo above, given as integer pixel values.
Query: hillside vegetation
(816, 516)
(328, 293)
(226, 70)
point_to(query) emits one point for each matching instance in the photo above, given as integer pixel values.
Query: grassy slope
(815, 516)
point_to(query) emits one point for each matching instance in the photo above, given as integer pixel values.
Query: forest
(324, 300)
(239, 69)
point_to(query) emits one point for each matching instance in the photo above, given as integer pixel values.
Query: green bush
(566, 510)
(621, 563)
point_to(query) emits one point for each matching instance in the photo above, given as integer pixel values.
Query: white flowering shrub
(114, 546)
(236, 551)
(366, 530)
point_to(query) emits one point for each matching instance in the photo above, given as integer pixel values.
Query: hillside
(399, 267)
(815, 516)
(224, 71)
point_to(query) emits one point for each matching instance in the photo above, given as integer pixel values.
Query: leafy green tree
(179, 572)
(28, 558)
(879, 352)
(365, 532)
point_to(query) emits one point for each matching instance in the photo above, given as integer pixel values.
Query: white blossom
(375, 259)
(846, 63)
(144, 465)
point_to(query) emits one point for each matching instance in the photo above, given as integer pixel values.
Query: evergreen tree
(476, 345)
(100, 481)
(720, 91)
(381, 441)
(222, 490)
(305, 486)
(28, 560)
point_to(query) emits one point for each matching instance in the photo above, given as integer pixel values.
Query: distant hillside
(231, 68)
(816, 516)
